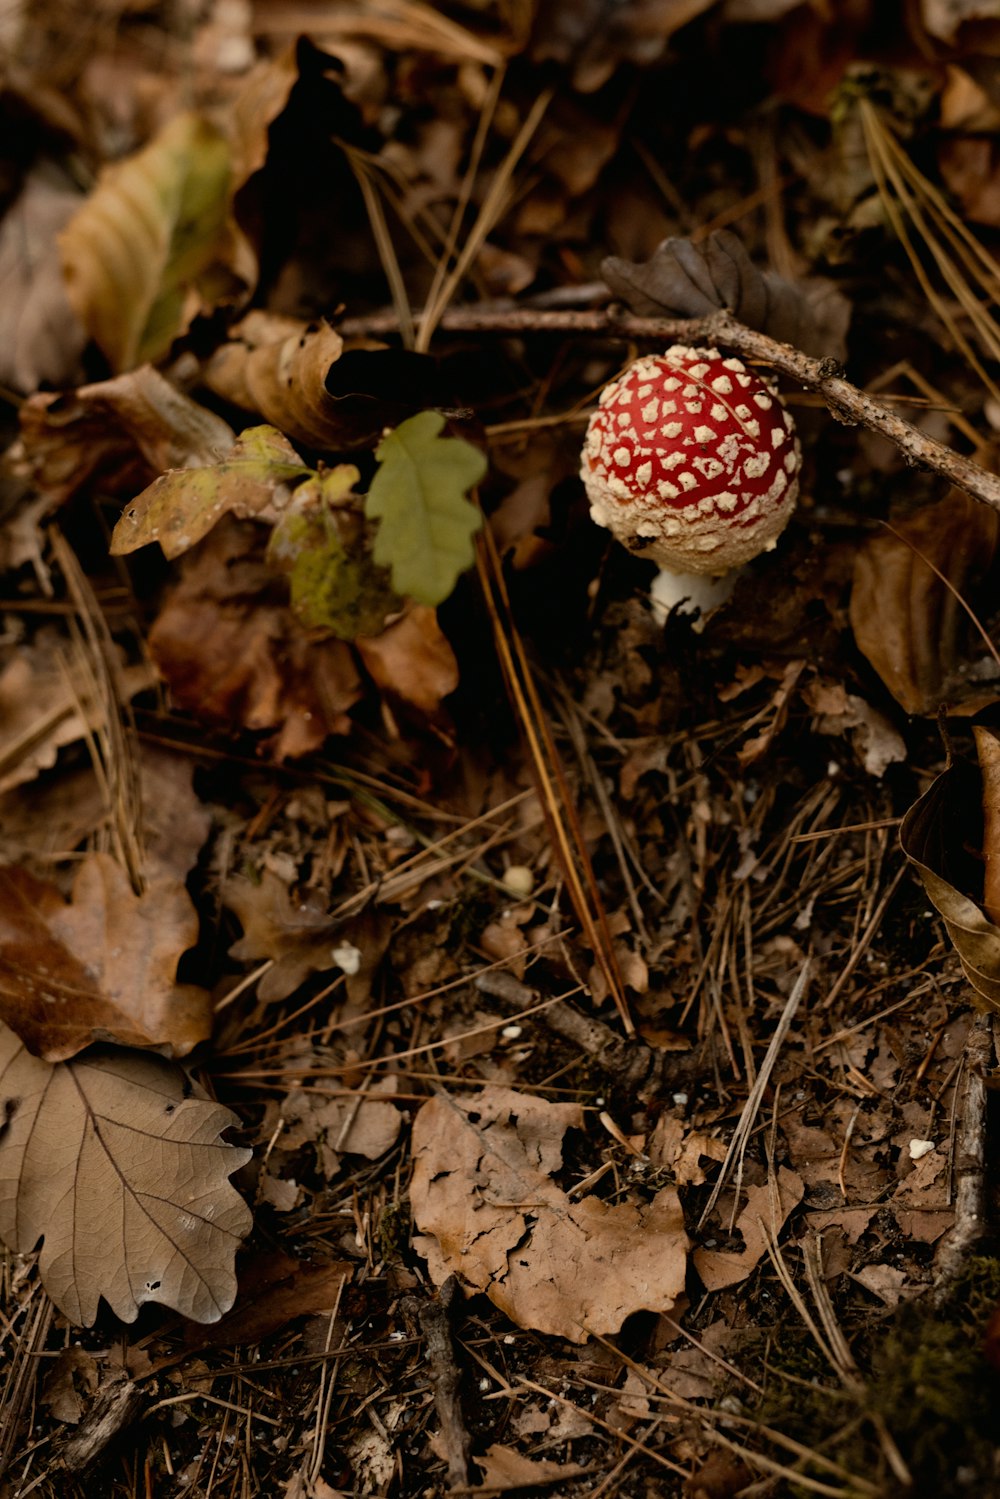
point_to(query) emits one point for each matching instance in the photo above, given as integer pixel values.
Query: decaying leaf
(489, 1211)
(153, 241)
(117, 434)
(908, 622)
(40, 339)
(320, 543)
(418, 495)
(101, 968)
(684, 279)
(233, 655)
(122, 1173)
(182, 506)
(412, 660)
(937, 836)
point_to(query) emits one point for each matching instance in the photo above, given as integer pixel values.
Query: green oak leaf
(182, 505)
(335, 586)
(418, 496)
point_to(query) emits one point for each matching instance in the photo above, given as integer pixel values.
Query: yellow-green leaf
(335, 586)
(418, 495)
(182, 505)
(156, 227)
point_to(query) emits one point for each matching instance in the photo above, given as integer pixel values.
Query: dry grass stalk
(969, 273)
(557, 799)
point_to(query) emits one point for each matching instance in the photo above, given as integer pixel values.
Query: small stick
(848, 404)
(640, 1070)
(435, 1324)
(970, 1157)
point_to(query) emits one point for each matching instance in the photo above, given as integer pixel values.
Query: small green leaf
(335, 586)
(182, 505)
(418, 495)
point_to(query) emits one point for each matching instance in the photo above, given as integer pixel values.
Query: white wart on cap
(692, 461)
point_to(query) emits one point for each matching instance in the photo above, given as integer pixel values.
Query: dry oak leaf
(489, 1212)
(102, 967)
(124, 1176)
(297, 935)
(504, 1469)
(182, 506)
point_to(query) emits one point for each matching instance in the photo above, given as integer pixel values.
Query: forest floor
(603, 1059)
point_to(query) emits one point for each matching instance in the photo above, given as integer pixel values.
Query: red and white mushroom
(692, 461)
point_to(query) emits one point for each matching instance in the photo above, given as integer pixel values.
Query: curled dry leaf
(684, 279)
(937, 835)
(124, 1176)
(182, 506)
(232, 655)
(278, 367)
(907, 620)
(489, 1211)
(155, 241)
(118, 434)
(40, 339)
(101, 968)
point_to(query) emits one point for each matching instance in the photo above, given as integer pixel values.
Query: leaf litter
(483, 917)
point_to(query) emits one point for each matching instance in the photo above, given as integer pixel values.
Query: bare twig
(435, 1323)
(848, 404)
(970, 1156)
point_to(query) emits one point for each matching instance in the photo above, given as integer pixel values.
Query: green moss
(925, 1379)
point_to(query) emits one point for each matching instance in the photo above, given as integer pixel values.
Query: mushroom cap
(692, 461)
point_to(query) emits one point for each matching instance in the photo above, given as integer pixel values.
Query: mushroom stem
(690, 593)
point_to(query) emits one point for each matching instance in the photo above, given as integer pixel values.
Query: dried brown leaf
(760, 1219)
(274, 1290)
(489, 1211)
(298, 376)
(937, 835)
(906, 620)
(123, 1175)
(504, 1469)
(119, 433)
(412, 660)
(684, 279)
(101, 968)
(297, 935)
(43, 708)
(233, 655)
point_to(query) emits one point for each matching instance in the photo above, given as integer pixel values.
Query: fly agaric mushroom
(692, 461)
